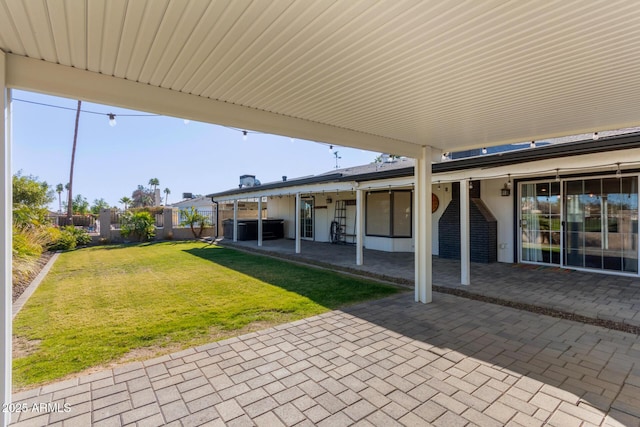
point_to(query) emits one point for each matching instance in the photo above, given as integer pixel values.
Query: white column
(235, 220)
(260, 221)
(6, 238)
(297, 223)
(359, 227)
(422, 229)
(465, 235)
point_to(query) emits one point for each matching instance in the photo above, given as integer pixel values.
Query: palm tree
(166, 197)
(126, 201)
(154, 182)
(191, 217)
(59, 189)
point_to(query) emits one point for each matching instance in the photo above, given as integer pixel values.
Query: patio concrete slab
(391, 361)
(595, 295)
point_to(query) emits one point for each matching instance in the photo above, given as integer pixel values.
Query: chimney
(284, 178)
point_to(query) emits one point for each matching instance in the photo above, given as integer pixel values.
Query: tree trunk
(73, 158)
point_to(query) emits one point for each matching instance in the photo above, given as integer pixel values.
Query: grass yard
(109, 304)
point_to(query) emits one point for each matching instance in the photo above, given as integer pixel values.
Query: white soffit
(372, 74)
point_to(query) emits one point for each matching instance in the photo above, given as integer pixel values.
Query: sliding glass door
(587, 223)
(602, 224)
(540, 222)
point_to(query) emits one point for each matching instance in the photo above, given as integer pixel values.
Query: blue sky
(196, 157)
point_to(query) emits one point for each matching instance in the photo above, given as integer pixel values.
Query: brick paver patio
(388, 362)
(383, 363)
(595, 295)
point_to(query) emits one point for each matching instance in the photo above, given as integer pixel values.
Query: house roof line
(507, 158)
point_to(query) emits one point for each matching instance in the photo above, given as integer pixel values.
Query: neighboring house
(571, 205)
(202, 202)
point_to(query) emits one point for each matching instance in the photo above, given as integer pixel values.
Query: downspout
(217, 219)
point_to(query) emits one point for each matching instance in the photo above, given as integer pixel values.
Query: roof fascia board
(55, 79)
(256, 192)
(279, 185)
(568, 149)
(602, 161)
(467, 167)
(385, 184)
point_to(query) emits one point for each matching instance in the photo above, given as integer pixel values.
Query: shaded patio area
(609, 298)
(389, 362)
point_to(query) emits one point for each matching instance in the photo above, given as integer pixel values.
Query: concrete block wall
(167, 232)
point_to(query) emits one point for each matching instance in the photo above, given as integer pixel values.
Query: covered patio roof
(387, 76)
(410, 77)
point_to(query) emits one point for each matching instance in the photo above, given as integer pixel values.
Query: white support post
(359, 227)
(423, 232)
(465, 235)
(298, 223)
(260, 221)
(235, 220)
(6, 238)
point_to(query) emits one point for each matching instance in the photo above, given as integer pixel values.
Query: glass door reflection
(601, 224)
(306, 219)
(540, 222)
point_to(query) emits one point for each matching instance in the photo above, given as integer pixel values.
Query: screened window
(388, 214)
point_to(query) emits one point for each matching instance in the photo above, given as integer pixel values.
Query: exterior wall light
(505, 191)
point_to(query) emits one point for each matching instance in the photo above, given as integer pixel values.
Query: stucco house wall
(283, 207)
(502, 207)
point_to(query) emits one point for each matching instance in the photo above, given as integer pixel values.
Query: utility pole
(73, 158)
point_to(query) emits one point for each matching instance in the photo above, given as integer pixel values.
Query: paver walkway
(383, 363)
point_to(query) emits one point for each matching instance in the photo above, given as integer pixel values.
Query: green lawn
(100, 305)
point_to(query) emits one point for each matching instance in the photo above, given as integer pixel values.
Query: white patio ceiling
(380, 75)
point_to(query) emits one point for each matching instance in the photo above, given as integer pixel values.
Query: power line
(84, 111)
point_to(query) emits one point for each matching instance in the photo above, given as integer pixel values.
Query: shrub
(53, 234)
(65, 242)
(31, 234)
(81, 235)
(27, 242)
(70, 237)
(140, 225)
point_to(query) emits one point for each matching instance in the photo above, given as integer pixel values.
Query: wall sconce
(329, 200)
(505, 191)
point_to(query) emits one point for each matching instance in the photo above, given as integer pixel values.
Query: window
(388, 213)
